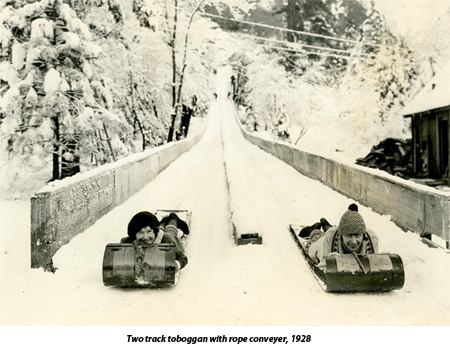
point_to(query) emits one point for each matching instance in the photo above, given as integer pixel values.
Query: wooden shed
(430, 126)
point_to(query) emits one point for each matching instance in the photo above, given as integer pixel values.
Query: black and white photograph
(268, 173)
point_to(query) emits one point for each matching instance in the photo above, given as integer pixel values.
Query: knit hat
(352, 222)
(141, 220)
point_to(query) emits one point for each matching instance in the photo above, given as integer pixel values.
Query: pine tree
(53, 103)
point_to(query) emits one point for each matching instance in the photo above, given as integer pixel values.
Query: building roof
(435, 94)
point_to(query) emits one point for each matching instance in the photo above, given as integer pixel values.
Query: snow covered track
(223, 284)
(243, 203)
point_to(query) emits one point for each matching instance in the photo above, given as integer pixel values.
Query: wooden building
(430, 126)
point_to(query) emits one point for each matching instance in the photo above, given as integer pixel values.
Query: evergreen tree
(52, 102)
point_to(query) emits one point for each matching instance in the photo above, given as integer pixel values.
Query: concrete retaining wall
(413, 207)
(74, 204)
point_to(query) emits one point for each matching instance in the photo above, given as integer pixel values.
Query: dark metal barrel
(129, 265)
(364, 273)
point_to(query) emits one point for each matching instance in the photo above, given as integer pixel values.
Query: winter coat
(328, 243)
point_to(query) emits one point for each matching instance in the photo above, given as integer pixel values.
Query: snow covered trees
(431, 48)
(86, 82)
(183, 29)
(375, 88)
(52, 101)
(133, 65)
(350, 74)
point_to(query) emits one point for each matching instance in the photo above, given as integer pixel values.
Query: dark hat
(352, 222)
(141, 220)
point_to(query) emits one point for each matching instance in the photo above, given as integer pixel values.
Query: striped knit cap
(351, 222)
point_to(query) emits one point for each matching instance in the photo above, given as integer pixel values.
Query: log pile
(391, 155)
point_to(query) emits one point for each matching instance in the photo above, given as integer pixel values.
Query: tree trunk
(172, 128)
(70, 167)
(174, 74)
(56, 173)
(186, 115)
(133, 105)
(108, 140)
(292, 17)
(155, 110)
(185, 53)
(177, 97)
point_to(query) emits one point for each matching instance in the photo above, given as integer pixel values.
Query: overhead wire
(310, 52)
(305, 45)
(359, 55)
(356, 42)
(335, 53)
(203, 13)
(295, 31)
(353, 54)
(307, 52)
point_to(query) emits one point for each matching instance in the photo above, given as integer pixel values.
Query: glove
(182, 225)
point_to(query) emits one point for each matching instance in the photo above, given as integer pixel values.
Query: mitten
(182, 225)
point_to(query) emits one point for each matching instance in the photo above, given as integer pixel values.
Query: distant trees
(321, 19)
(431, 49)
(180, 50)
(174, 20)
(371, 72)
(384, 79)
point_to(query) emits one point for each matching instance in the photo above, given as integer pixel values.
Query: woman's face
(146, 235)
(352, 241)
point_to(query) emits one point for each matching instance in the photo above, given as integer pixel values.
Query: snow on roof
(434, 95)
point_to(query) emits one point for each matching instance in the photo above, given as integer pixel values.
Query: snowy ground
(223, 284)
